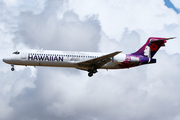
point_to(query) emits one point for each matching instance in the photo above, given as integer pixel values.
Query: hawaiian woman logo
(147, 51)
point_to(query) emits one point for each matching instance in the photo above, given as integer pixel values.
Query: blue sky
(170, 5)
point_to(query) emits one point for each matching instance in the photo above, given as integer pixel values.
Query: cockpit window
(16, 52)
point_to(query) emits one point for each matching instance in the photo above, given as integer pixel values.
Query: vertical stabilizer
(150, 48)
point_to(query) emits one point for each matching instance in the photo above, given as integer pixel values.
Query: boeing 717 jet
(88, 61)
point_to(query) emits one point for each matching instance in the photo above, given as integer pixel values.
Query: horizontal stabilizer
(153, 41)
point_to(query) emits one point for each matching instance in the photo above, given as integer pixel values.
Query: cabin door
(23, 55)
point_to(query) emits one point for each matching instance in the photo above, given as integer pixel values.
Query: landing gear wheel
(12, 69)
(94, 70)
(90, 74)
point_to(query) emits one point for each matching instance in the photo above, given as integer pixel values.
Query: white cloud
(117, 15)
(63, 34)
(176, 3)
(17, 6)
(129, 39)
(5, 109)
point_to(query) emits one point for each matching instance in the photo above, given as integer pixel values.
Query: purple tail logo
(150, 48)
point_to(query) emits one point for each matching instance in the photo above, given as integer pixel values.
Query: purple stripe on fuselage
(144, 60)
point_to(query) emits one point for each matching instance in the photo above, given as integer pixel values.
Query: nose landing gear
(12, 69)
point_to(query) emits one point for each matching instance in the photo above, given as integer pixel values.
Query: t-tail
(150, 48)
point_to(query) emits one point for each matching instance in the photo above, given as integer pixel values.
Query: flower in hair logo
(154, 47)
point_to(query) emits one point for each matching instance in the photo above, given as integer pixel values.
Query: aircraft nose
(7, 59)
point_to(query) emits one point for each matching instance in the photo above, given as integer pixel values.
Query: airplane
(88, 61)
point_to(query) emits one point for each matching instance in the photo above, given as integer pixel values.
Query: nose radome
(6, 60)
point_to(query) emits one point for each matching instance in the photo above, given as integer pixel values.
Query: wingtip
(119, 51)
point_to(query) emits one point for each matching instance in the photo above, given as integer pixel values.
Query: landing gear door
(23, 55)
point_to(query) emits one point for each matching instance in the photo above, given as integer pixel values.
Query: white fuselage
(89, 61)
(59, 58)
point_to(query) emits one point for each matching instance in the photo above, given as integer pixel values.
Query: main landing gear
(91, 72)
(12, 69)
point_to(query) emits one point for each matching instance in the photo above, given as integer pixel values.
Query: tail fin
(152, 46)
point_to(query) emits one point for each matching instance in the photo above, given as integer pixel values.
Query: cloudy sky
(43, 93)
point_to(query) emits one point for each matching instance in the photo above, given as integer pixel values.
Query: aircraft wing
(97, 62)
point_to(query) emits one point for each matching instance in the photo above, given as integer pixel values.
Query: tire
(94, 70)
(12, 69)
(90, 74)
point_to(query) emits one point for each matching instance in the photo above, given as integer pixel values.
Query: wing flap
(97, 62)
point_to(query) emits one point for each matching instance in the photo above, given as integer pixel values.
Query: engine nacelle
(134, 59)
(131, 59)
